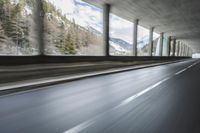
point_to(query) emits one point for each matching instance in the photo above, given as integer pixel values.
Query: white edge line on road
(181, 71)
(80, 127)
(130, 99)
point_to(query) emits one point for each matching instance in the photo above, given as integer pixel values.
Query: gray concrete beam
(135, 36)
(106, 27)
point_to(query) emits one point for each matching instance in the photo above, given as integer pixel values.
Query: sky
(86, 15)
(121, 28)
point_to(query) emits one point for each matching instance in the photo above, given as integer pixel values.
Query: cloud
(121, 28)
(66, 6)
(86, 15)
(142, 32)
(83, 13)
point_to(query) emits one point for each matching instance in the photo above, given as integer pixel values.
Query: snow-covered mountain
(94, 31)
(143, 41)
(116, 44)
(121, 43)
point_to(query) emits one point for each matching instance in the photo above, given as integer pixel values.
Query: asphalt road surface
(162, 99)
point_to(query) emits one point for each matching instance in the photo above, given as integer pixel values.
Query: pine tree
(2, 37)
(68, 46)
(1, 10)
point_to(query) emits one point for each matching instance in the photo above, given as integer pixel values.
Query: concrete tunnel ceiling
(179, 18)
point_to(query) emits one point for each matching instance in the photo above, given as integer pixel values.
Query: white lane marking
(80, 127)
(190, 66)
(181, 71)
(130, 99)
(89, 122)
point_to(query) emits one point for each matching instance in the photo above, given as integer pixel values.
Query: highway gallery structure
(93, 66)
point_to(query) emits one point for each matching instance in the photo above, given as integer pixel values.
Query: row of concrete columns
(183, 50)
(178, 49)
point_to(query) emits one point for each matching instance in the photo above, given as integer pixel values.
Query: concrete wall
(21, 60)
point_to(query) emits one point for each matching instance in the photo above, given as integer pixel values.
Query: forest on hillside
(18, 28)
(61, 36)
(20, 31)
(64, 37)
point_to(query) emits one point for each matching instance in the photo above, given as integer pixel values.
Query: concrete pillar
(191, 52)
(161, 44)
(135, 37)
(178, 48)
(183, 49)
(106, 27)
(169, 46)
(174, 47)
(187, 51)
(39, 16)
(151, 41)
